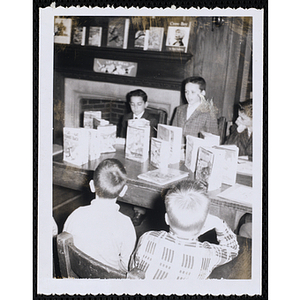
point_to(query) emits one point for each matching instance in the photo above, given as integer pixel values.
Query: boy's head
(194, 89)
(244, 119)
(109, 179)
(187, 208)
(137, 101)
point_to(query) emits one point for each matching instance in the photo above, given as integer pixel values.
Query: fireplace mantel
(157, 69)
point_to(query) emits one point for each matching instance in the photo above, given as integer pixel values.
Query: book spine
(146, 40)
(83, 36)
(126, 33)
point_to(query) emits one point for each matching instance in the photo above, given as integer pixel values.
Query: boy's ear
(92, 186)
(203, 92)
(146, 104)
(167, 219)
(124, 190)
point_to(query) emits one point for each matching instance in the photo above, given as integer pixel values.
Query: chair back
(222, 125)
(159, 114)
(74, 263)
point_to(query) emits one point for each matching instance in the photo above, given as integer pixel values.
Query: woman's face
(192, 93)
(243, 120)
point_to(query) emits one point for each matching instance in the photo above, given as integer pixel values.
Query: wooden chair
(159, 114)
(222, 125)
(74, 263)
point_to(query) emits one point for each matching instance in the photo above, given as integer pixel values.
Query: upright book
(137, 140)
(173, 135)
(159, 153)
(118, 32)
(192, 146)
(162, 178)
(209, 167)
(95, 35)
(107, 136)
(88, 118)
(62, 30)
(178, 36)
(79, 35)
(76, 145)
(139, 39)
(230, 163)
(154, 38)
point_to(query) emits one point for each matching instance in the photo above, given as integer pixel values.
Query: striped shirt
(163, 255)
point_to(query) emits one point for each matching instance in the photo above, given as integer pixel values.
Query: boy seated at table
(138, 102)
(99, 229)
(178, 254)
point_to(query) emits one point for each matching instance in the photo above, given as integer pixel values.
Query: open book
(162, 178)
(238, 193)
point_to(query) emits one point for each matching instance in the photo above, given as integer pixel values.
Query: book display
(62, 30)
(178, 36)
(173, 135)
(138, 140)
(88, 118)
(95, 35)
(139, 39)
(79, 35)
(159, 153)
(118, 32)
(76, 145)
(162, 178)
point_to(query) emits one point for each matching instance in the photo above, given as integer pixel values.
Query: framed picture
(62, 30)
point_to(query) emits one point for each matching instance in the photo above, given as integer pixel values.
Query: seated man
(99, 229)
(178, 254)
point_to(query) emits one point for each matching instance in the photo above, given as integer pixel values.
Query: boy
(138, 101)
(178, 254)
(99, 229)
(198, 115)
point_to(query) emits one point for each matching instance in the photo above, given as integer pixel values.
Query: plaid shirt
(200, 120)
(163, 255)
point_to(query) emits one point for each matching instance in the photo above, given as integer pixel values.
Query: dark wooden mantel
(157, 69)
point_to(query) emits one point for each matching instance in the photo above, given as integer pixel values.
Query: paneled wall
(222, 55)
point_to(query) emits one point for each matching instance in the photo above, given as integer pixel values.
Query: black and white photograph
(151, 173)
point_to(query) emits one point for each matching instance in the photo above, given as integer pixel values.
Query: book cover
(192, 146)
(211, 139)
(173, 135)
(230, 163)
(178, 36)
(139, 39)
(118, 32)
(107, 136)
(95, 35)
(137, 140)
(244, 166)
(76, 145)
(162, 178)
(154, 38)
(159, 153)
(88, 118)
(79, 35)
(209, 167)
(62, 30)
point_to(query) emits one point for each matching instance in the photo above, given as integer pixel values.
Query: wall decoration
(115, 67)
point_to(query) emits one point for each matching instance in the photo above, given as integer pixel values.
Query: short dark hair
(109, 178)
(187, 205)
(137, 93)
(197, 80)
(246, 107)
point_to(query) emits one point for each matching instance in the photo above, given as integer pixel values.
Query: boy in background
(99, 229)
(178, 254)
(138, 101)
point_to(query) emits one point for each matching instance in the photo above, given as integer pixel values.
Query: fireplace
(89, 95)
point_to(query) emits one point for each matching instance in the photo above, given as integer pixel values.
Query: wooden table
(142, 193)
